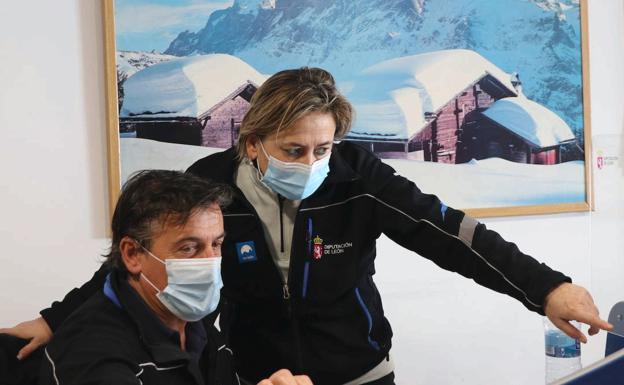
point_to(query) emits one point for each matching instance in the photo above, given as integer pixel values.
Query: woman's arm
(459, 243)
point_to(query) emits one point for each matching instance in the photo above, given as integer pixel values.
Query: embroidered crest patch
(318, 247)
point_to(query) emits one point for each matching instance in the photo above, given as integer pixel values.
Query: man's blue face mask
(294, 180)
(193, 286)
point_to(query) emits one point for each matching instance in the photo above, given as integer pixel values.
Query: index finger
(12, 331)
(595, 321)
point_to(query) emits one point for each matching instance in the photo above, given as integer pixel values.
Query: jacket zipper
(281, 220)
(285, 288)
(369, 319)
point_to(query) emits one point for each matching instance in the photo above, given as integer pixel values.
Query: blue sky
(145, 25)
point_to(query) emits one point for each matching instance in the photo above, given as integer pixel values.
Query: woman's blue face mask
(294, 180)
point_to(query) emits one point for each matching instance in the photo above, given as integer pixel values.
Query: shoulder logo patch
(246, 251)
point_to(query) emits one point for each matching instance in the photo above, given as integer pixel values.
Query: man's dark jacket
(115, 338)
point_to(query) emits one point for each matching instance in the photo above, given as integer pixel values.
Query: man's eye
(188, 249)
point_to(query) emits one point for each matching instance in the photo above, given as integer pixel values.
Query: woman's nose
(309, 158)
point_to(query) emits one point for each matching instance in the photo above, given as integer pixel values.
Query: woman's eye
(321, 151)
(293, 152)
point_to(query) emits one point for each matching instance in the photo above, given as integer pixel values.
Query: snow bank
(497, 182)
(530, 120)
(142, 154)
(185, 87)
(478, 184)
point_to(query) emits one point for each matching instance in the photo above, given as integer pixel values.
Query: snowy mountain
(538, 39)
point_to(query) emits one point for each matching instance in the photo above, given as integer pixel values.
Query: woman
(298, 258)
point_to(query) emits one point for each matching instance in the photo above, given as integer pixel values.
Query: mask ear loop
(150, 253)
(257, 165)
(150, 282)
(155, 257)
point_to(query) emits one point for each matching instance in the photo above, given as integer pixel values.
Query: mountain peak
(538, 39)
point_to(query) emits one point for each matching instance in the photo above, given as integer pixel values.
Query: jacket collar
(162, 342)
(339, 170)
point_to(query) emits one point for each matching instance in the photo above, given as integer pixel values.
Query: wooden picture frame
(422, 144)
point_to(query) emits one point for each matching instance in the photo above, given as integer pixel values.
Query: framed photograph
(485, 104)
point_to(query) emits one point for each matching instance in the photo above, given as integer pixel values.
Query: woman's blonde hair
(288, 96)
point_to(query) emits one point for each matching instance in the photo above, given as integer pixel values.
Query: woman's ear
(131, 255)
(251, 146)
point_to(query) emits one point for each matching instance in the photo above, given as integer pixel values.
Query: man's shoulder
(96, 310)
(98, 340)
(97, 324)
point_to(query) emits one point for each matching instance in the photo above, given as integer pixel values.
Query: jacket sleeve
(111, 373)
(455, 241)
(77, 371)
(217, 359)
(60, 310)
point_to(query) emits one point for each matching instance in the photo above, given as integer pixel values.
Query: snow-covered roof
(392, 97)
(391, 114)
(130, 62)
(530, 120)
(185, 87)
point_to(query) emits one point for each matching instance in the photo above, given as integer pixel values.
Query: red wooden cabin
(431, 107)
(195, 100)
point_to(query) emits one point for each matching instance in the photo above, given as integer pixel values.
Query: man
(165, 276)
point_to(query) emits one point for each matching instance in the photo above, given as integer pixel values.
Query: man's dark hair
(153, 198)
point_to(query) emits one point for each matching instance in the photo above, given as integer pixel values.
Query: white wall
(53, 193)
(53, 200)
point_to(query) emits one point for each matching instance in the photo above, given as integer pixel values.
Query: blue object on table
(615, 339)
(608, 371)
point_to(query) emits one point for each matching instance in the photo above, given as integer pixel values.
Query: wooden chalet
(198, 100)
(519, 130)
(432, 108)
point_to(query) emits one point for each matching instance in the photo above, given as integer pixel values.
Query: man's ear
(251, 146)
(131, 255)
